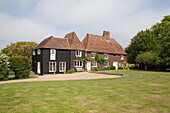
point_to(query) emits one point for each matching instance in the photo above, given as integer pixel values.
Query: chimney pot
(106, 34)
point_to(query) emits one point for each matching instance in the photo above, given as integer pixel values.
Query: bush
(112, 67)
(95, 69)
(120, 67)
(4, 67)
(70, 71)
(21, 66)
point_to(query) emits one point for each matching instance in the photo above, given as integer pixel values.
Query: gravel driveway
(58, 77)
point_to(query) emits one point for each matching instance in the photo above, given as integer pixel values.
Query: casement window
(106, 56)
(93, 55)
(38, 51)
(106, 64)
(52, 54)
(52, 66)
(78, 53)
(33, 52)
(62, 66)
(94, 64)
(121, 57)
(78, 63)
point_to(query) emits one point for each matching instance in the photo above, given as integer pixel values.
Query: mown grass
(138, 91)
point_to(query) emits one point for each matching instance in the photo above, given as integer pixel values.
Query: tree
(21, 66)
(147, 58)
(4, 67)
(20, 49)
(156, 39)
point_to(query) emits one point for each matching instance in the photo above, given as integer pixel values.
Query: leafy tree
(19, 49)
(21, 66)
(156, 39)
(4, 67)
(147, 58)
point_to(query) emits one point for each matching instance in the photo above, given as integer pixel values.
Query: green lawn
(137, 92)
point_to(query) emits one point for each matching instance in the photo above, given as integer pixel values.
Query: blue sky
(34, 20)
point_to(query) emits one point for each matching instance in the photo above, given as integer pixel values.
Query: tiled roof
(104, 44)
(74, 41)
(70, 41)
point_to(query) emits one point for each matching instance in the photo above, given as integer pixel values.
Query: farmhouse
(57, 55)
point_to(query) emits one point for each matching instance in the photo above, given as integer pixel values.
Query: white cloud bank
(43, 18)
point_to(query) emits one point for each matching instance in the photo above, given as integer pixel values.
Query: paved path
(58, 77)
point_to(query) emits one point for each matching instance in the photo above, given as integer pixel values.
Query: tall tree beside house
(20, 49)
(146, 58)
(155, 40)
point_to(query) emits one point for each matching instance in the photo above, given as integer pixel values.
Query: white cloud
(57, 17)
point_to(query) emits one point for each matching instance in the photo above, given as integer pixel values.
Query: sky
(35, 20)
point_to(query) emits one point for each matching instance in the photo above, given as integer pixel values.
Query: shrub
(111, 67)
(95, 69)
(120, 67)
(70, 71)
(21, 66)
(4, 67)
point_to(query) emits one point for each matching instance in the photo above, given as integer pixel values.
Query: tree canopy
(155, 40)
(19, 49)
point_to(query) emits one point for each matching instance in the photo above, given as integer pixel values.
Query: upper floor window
(106, 56)
(94, 64)
(38, 51)
(121, 57)
(106, 64)
(52, 54)
(78, 53)
(78, 63)
(93, 55)
(33, 52)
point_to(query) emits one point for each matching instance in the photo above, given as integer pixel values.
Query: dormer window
(33, 52)
(38, 51)
(121, 57)
(78, 53)
(52, 54)
(93, 55)
(106, 56)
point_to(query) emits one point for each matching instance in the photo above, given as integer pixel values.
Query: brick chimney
(106, 35)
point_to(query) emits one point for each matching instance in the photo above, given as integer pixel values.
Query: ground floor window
(52, 66)
(94, 64)
(106, 64)
(62, 66)
(78, 63)
(121, 64)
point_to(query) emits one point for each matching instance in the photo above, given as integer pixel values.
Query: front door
(88, 66)
(38, 68)
(116, 65)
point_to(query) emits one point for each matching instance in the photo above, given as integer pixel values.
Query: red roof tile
(70, 41)
(104, 44)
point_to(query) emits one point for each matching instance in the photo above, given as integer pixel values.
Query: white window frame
(106, 56)
(33, 52)
(78, 53)
(78, 63)
(94, 64)
(62, 66)
(53, 65)
(38, 51)
(52, 54)
(93, 55)
(107, 64)
(121, 57)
